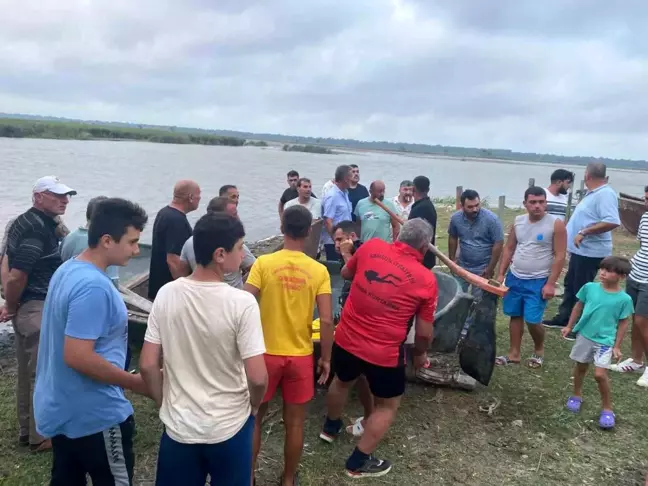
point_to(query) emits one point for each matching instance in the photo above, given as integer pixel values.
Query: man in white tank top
(535, 250)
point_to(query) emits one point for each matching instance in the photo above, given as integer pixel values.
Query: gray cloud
(563, 76)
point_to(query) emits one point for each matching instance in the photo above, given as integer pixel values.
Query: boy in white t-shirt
(214, 370)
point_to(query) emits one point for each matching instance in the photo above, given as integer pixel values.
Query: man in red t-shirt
(390, 287)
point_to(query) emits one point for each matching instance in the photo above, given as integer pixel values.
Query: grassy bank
(14, 128)
(441, 436)
(310, 149)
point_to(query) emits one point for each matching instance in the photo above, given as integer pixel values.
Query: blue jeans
(228, 463)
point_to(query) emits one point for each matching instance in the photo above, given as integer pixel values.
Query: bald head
(186, 194)
(377, 190)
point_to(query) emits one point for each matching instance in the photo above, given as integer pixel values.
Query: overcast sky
(559, 76)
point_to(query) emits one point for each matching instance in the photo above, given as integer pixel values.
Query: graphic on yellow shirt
(289, 282)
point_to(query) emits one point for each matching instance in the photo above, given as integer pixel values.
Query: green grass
(441, 436)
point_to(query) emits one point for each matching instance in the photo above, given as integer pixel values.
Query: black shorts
(384, 382)
(106, 456)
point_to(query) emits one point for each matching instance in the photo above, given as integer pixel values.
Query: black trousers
(581, 270)
(106, 456)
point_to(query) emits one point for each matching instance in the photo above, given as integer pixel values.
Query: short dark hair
(218, 204)
(213, 231)
(421, 184)
(292, 173)
(406, 183)
(346, 226)
(92, 204)
(112, 217)
(469, 194)
(562, 175)
(223, 190)
(616, 264)
(646, 189)
(341, 172)
(534, 191)
(296, 222)
(354, 166)
(303, 179)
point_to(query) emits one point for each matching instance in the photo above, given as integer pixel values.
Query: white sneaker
(643, 381)
(627, 366)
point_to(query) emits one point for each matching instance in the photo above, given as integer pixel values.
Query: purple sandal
(607, 419)
(574, 404)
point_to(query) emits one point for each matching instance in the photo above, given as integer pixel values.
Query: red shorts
(295, 376)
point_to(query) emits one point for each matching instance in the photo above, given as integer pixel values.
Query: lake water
(146, 172)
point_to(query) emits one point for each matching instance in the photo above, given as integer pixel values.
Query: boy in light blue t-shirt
(604, 309)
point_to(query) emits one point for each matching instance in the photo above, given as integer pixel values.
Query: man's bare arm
(13, 289)
(4, 271)
(424, 332)
(325, 309)
(176, 265)
(253, 290)
(150, 367)
(280, 208)
(507, 253)
(257, 378)
(599, 228)
(496, 253)
(79, 354)
(453, 243)
(328, 226)
(560, 251)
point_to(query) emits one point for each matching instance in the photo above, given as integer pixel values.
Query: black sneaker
(552, 324)
(331, 430)
(571, 336)
(372, 468)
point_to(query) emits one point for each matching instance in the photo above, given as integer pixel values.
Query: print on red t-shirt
(390, 286)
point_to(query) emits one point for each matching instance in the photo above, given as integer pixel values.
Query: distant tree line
(63, 130)
(256, 143)
(311, 149)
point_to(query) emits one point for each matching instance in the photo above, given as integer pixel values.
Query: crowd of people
(227, 330)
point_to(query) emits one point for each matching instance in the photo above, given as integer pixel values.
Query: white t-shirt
(403, 212)
(639, 272)
(206, 330)
(328, 185)
(314, 206)
(557, 205)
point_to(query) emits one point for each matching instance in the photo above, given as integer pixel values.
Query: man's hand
(346, 246)
(500, 278)
(578, 239)
(565, 330)
(548, 291)
(421, 361)
(488, 273)
(139, 386)
(616, 353)
(6, 314)
(324, 370)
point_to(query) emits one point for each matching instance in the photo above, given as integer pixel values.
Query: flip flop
(356, 429)
(535, 361)
(574, 404)
(504, 361)
(607, 419)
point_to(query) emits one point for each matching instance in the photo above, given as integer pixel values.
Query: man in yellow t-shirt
(287, 284)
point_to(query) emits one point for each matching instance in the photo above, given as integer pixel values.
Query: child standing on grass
(603, 309)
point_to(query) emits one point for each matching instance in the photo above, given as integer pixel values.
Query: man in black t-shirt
(356, 190)
(170, 232)
(424, 208)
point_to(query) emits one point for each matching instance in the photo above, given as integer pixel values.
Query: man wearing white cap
(33, 256)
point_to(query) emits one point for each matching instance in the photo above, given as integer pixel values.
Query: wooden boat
(631, 208)
(476, 350)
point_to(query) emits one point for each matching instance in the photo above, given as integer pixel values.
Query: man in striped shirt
(637, 288)
(33, 256)
(557, 199)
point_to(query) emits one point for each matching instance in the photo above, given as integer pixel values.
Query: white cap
(52, 184)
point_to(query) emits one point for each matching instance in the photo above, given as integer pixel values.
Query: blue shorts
(228, 463)
(524, 298)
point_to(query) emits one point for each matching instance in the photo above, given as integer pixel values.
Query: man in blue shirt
(589, 239)
(79, 397)
(478, 234)
(336, 207)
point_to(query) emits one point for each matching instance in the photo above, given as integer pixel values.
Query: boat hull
(631, 209)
